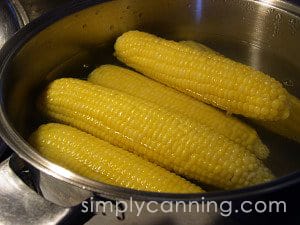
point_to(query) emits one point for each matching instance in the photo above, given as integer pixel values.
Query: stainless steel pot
(75, 38)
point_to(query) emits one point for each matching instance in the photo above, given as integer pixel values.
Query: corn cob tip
(283, 109)
(260, 149)
(290, 127)
(94, 75)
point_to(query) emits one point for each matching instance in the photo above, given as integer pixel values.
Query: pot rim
(27, 153)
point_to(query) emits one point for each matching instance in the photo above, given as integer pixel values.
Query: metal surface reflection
(17, 13)
(19, 204)
(199, 10)
(10, 22)
(86, 37)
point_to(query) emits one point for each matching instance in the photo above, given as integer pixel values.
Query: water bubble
(278, 16)
(292, 21)
(272, 10)
(288, 83)
(275, 30)
(292, 26)
(249, 6)
(293, 30)
(275, 33)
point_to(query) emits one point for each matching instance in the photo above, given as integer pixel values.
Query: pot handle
(19, 204)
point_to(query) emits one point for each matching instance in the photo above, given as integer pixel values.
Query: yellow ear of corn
(135, 84)
(289, 127)
(101, 161)
(199, 46)
(208, 77)
(171, 141)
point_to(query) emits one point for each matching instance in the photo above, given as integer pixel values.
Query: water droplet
(250, 6)
(275, 31)
(292, 26)
(278, 16)
(288, 83)
(292, 21)
(293, 31)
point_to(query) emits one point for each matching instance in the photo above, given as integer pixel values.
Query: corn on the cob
(167, 139)
(289, 127)
(199, 46)
(130, 82)
(101, 161)
(208, 77)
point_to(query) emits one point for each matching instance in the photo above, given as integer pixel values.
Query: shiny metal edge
(283, 5)
(10, 136)
(21, 13)
(19, 202)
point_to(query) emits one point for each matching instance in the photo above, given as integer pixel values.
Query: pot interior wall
(252, 33)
